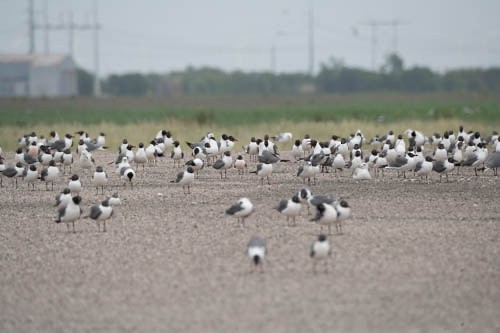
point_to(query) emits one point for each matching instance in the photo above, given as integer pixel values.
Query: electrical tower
(374, 40)
(70, 27)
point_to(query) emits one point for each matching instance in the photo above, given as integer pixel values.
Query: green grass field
(138, 119)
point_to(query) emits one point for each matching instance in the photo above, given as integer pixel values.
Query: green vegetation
(189, 118)
(240, 110)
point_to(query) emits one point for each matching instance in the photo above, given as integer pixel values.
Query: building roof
(35, 59)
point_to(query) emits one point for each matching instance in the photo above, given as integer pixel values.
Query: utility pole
(31, 27)
(71, 30)
(97, 83)
(46, 27)
(311, 38)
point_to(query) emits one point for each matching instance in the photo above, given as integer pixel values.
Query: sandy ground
(414, 257)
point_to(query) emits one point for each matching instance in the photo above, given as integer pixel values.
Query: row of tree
(333, 77)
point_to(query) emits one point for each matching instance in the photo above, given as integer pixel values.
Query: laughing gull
(63, 198)
(100, 178)
(100, 213)
(308, 171)
(415, 137)
(224, 163)
(30, 175)
(403, 164)
(127, 174)
(114, 200)
(13, 172)
(306, 143)
(338, 163)
(283, 138)
(45, 156)
(264, 170)
(153, 152)
(241, 210)
(440, 154)
(87, 161)
(24, 158)
(50, 174)
(355, 162)
(304, 194)
(84, 136)
(226, 143)
(493, 162)
(67, 160)
(240, 165)
(320, 251)
(445, 167)
(2, 168)
(326, 214)
(201, 151)
(123, 163)
(177, 154)
(75, 185)
(362, 172)
(197, 164)
(290, 208)
(343, 213)
(477, 157)
(33, 150)
(297, 150)
(252, 149)
(458, 155)
(70, 213)
(424, 168)
(256, 251)
(185, 178)
(267, 145)
(165, 140)
(140, 157)
(53, 137)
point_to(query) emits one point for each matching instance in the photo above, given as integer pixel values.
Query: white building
(38, 76)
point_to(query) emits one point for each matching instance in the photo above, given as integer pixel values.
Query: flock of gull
(410, 154)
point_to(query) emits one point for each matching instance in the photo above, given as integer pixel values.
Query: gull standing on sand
(30, 175)
(445, 167)
(70, 213)
(320, 251)
(50, 174)
(63, 198)
(75, 185)
(224, 163)
(13, 172)
(256, 251)
(197, 164)
(140, 156)
(185, 178)
(241, 210)
(177, 154)
(424, 169)
(362, 172)
(127, 174)
(240, 165)
(100, 213)
(290, 208)
(100, 179)
(264, 170)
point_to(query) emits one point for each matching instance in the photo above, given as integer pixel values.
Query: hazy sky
(165, 35)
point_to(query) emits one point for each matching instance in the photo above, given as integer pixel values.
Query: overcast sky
(166, 35)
